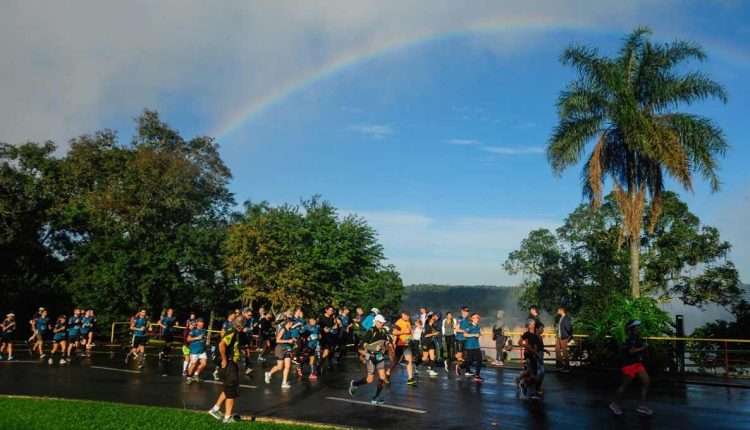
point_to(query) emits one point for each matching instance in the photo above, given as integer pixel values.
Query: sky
(428, 118)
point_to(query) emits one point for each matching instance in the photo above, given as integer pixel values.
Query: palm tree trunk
(635, 257)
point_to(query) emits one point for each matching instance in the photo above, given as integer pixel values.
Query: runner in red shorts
(632, 367)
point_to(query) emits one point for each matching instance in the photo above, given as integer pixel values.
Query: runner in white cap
(374, 343)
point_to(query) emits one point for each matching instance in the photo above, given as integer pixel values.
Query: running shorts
(139, 341)
(185, 350)
(7, 337)
(40, 335)
(426, 346)
(374, 362)
(246, 339)
(281, 352)
(633, 369)
(231, 380)
(73, 336)
(403, 350)
(168, 337)
(196, 357)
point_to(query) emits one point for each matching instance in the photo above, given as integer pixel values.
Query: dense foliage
(309, 256)
(628, 105)
(118, 226)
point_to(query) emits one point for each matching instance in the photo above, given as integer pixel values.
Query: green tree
(628, 105)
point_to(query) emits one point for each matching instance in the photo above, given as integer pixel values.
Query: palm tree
(627, 106)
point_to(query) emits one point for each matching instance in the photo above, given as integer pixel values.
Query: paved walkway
(577, 400)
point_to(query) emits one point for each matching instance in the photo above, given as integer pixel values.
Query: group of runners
(70, 336)
(303, 345)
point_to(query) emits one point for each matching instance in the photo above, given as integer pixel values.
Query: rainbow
(349, 60)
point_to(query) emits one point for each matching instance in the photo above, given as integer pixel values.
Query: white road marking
(208, 381)
(115, 370)
(399, 408)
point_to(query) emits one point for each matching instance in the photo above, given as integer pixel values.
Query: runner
(283, 353)
(449, 339)
(87, 330)
(75, 322)
(329, 326)
(358, 332)
(166, 327)
(311, 351)
(429, 333)
(59, 339)
(374, 343)
(632, 367)
(416, 344)
(8, 328)
(198, 357)
(32, 323)
(190, 324)
(472, 349)
(462, 323)
(41, 328)
(265, 334)
(227, 325)
(402, 331)
(298, 321)
(229, 349)
(246, 338)
(532, 354)
(139, 327)
(344, 338)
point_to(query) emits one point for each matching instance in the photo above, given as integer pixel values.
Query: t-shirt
(249, 325)
(234, 353)
(497, 333)
(633, 341)
(140, 324)
(403, 326)
(87, 322)
(428, 329)
(472, 342)
(312, 334)
(41, 324)
(168, 323)
(329, 322)
(463, 324)
(344, 322)
(286, 335)
(297, 327)
(448, 329)
(75, 323)
(60, 335)
(533, 341)
(265, 326)
(9, 326)
(198, 346)
(226, 325)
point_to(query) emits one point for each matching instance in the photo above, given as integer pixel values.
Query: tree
(307, 256)
(628, 105)
(581, 267)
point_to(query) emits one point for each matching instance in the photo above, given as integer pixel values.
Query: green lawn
(39, 413)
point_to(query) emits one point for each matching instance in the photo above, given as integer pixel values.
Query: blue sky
(439, 145)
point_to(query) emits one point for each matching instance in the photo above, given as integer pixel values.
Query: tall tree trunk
(635, 257)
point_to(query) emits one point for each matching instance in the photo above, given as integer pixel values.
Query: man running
(8, 328)
(190, 324)
(329, 324)
(229, 349)
(166, 327)
(462, 323)
(472, 349)
(311, 350)
(403, 332)
(32, 324)
(75, 322)
(345, 325)
(139, 327)
(41, 328)
(246, 337)
(632, 367)
(265, 334)
(374, 343)
(198, 357)
(298, 321)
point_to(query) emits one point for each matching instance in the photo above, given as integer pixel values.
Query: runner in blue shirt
(87, 329)
(311, 350)
(75, 322)
(140, 328)
(41, 328)
(298, 321)
(473, 351)
(198, 357)
(344, 335)
(462, 323)
(166, 326)
(59, 339)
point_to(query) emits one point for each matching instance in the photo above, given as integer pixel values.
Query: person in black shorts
(532, 355)
(265, 334)
(8, 329)
(329, 326)
(374, 343)
(246, 338)
(462, 323)
(429, 332)
(229, 349)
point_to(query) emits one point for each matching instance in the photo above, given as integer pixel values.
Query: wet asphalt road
(577, 400)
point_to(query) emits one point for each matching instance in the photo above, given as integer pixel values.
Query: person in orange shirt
(402, 331)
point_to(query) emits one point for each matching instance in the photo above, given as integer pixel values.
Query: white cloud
(374, 131)
(463, 142)
(456, 251)
(71, 67)
(506, 150)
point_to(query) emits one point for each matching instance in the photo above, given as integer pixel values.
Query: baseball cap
(380, 319)
(375, 310)
(247, 309)
(635, 323)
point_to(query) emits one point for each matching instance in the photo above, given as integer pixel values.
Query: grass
(37, 413)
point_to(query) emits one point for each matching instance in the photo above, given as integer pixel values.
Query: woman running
(59, 339)
(283, 352)
(632, 367)
(429, 332)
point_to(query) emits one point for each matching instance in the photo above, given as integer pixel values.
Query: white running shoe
(432, 372)
(268, 377)
(286, 385)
